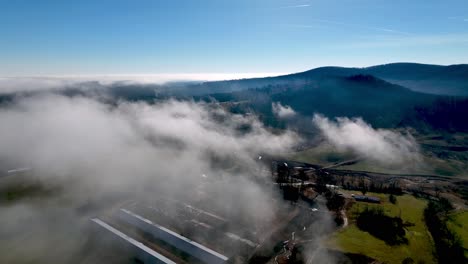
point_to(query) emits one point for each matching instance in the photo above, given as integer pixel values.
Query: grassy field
(434, 161)
(326, 155)
(420, 247)
(459, 224)
(323, 154)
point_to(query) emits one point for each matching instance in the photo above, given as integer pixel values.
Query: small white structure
(19, 170)
(332, 187)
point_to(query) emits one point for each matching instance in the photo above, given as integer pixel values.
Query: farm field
(459, 224)
(352, 240)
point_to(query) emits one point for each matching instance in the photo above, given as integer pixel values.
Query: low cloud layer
(59, 135)
(92, 149)
(282, 111)
(27, 84)
(380, 145)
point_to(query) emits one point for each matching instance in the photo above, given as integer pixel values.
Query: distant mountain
(382, 103)
(332, 91)
(426, 97)
(434, 79)
(377, 101)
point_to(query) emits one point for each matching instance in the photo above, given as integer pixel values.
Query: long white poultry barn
(182, 243)
(142, 252)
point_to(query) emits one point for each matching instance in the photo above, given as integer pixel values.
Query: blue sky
(214, 36)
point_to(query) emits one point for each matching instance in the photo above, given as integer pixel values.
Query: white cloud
(380, 145)
(282, 111)
(58, 134)
(93, 151)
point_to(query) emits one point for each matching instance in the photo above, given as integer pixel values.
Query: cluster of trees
(449, 246)
(335, 201)
(392, 188)
(377, 223)
(364, 187)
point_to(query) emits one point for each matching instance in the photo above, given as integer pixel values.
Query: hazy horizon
(197, 76)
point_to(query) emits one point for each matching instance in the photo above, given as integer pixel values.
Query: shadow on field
(389, 229)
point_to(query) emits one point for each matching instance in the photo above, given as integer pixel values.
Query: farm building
(369, 199)
(180, 242)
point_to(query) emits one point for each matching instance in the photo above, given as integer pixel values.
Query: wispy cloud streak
(407, 41)
(301, 26)
(296, 6)
(345, 24)
(458, 18)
